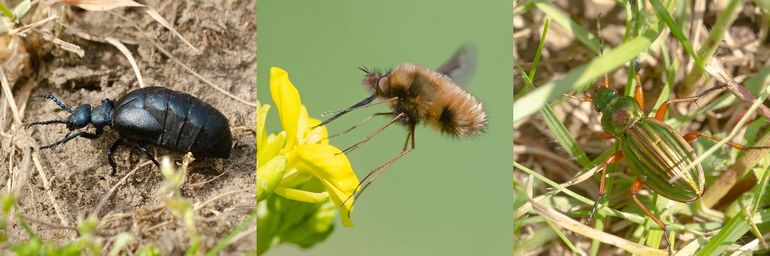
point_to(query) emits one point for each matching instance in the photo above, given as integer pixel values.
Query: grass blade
(534, 101)
(732, 231)
(585, 37)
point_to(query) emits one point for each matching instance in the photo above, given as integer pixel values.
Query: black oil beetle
(159, 116)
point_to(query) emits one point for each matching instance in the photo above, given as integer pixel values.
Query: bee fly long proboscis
(418, 94)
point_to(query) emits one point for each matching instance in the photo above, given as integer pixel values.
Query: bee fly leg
(602, 190)
(378, 131)
(635, 187)
(359, 124)
(369, 178)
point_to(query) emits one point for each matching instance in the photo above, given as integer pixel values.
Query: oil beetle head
(80, 117)
(99, 117)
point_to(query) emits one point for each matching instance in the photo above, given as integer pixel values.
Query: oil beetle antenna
(57, 101)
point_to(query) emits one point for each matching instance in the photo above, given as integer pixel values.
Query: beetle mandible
(159, 116)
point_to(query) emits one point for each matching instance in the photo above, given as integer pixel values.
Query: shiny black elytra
(159, 116)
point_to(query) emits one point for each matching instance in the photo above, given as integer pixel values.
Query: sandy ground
(78, 171)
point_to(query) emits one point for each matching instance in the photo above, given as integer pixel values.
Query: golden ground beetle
(651, 147)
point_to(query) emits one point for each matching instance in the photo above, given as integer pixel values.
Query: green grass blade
(564, 238)
(228, 239)
(7, 12)
(586, 73)
(731, 232)
(725, 18)
(760, 189)
(563, 136)
(676, 30)
(528, 84)
(539, 51)
(585, 37)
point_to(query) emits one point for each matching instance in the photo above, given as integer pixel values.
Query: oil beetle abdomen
(166, 118)
(173, 120)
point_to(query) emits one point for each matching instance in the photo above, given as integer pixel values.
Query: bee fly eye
(382, 83)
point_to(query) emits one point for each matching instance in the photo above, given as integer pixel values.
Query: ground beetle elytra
(159, 116)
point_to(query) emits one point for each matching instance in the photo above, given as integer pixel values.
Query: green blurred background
(449, 196)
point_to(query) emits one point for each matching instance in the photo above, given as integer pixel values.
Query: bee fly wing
(461, 65)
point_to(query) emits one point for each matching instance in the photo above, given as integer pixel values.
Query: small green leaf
(269, 176)
(22, 8)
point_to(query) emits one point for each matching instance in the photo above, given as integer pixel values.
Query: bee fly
(418, 94)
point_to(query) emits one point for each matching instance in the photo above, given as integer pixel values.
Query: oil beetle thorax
(166, 118)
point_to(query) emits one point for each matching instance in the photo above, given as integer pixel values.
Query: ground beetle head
(602, 98)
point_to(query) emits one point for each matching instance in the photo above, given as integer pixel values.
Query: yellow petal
(319, 135)
(288, 102)
(302, 195)
(333, 169)
(302, 125)
(271, 148)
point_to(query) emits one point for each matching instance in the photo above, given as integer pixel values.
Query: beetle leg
(141, 147)
(604, 136)
(602, 190)
(354, 146)
(72, 134)
(635, 187)
(639, 95)
(661, 113)
(690, 136)
(111, 158)
(359, 124)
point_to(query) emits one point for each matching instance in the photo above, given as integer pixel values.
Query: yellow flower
(300, 154)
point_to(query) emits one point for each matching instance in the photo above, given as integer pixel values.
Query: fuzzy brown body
(426, 95)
